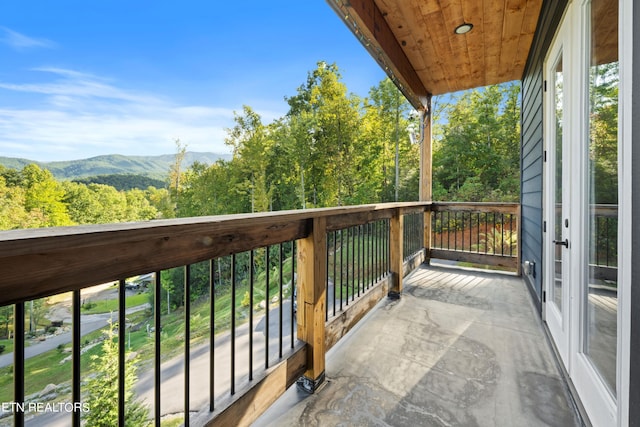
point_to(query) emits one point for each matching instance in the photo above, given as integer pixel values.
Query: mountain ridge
(156, 167)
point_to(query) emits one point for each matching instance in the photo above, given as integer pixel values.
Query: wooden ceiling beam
(367, 22)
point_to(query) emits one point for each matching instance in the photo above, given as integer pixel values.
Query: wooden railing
(346, 260)
(477, 233)
(603, 254)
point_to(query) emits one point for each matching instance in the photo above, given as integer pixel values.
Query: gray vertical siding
(532, 146)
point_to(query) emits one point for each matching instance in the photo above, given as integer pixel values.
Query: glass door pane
(601, 296)
(558, 89)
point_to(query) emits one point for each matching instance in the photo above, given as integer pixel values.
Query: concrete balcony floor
(459, 348)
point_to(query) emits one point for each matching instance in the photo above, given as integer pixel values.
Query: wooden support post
(426, 176)
(397, 224)
(312, 279)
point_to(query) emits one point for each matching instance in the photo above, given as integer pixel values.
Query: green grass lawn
(111, 305)
(8, 346)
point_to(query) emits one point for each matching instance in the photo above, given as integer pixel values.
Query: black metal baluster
(18, 362)
(486, 232)
(359, 265)
(251, 283)
(75, 358)
(335, 264)
(448, 229)
(442, 228)
(341, 269)
(371, 254)
(606, 240)
(266, 313)
(455, 230)
(187, 340)
(280, 314)
(597, 222)
(347, 280)
(212, 332)
(374, 255)
(462, 231)
(326, 285)
(494, 233)
(354, 264)
(388, 240)
(233, 324)
(364, 257)
(502, 233)
(121, 359)
(157, 336)
(407, 236)
(293, 287)
(478, 218)
(404, 236)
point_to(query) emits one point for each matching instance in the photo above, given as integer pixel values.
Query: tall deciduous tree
(44, 195)
(325, 123)
(476, 155)
(251, 145)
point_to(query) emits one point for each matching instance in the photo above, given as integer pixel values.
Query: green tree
(175, 172)
(389, 121)
(325, 122)
(37, 309)
(603, 147)
(6, 319)
(476, 152)
(44, 196)
(251, 144)
(160, 199)
(102, 388)
(12, 211)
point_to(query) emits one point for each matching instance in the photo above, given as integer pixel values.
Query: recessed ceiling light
(463, 28)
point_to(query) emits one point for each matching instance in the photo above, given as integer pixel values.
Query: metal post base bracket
(308, 385)
(393, 295)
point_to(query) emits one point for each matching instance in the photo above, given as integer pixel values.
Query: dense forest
(331, 148)
(123, 181)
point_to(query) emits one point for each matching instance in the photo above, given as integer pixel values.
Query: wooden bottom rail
(475, 258)
(249, 403)
(343, 323)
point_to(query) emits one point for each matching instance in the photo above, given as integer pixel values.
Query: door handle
(564, 243)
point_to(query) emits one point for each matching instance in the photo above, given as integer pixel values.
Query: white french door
(558, 190)
(581, 174)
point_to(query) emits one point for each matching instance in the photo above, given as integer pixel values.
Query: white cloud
(80, 115)
(19, 42)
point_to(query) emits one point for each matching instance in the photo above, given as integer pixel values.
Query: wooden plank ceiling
(415, 42)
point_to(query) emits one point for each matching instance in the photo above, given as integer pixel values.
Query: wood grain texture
(248, 404)
(312, 279)
(36, 263)
(475, 258)
(416, 38)
(396, 255)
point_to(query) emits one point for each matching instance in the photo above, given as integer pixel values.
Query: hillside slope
(156, 167)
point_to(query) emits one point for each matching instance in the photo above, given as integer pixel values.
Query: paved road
(88, 324)
(172, 371)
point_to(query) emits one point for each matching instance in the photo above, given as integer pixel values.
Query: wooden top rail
(507, 208)
(35, 263)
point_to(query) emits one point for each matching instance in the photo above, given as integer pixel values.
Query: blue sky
(84, 78)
